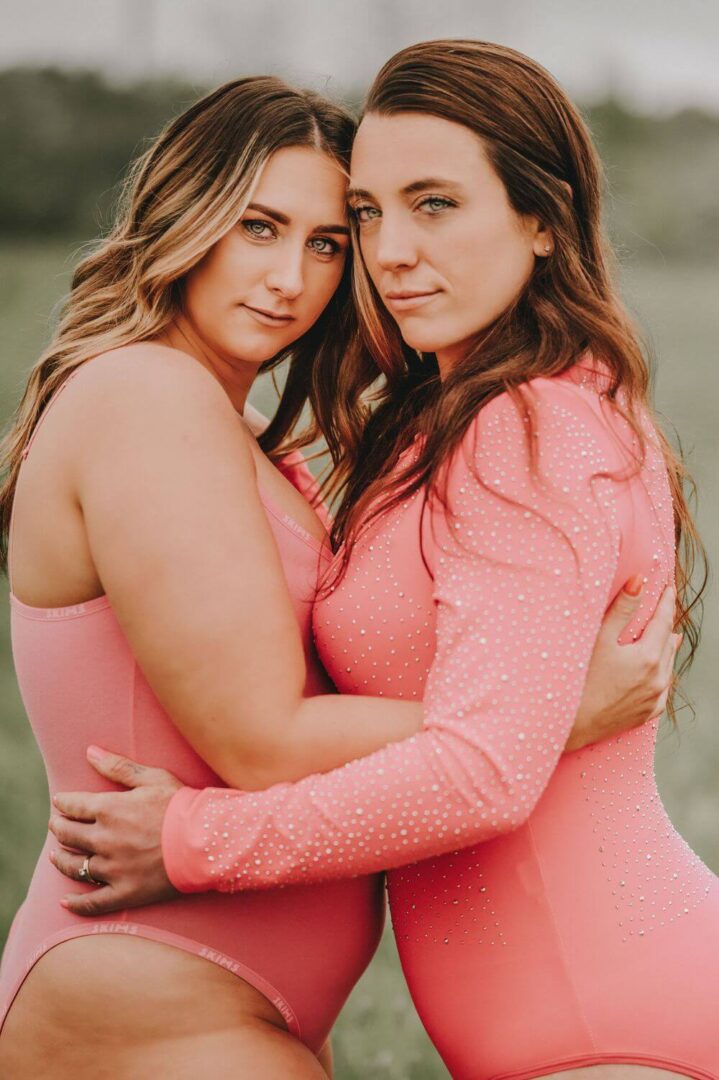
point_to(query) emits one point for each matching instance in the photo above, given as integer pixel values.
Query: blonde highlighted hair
(181, 196)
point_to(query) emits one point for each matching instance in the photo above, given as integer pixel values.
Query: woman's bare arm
(166, 481)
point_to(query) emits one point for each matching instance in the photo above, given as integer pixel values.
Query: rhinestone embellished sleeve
(523, 570)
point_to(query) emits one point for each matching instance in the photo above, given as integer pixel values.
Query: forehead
(303, 183)
(393, 151)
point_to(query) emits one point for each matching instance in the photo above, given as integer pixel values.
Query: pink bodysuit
(548, 915)
(304, 948)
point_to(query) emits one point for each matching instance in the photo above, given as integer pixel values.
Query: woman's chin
(425, 343)
(429, 339)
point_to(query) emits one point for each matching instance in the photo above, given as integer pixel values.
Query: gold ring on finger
(85, 874)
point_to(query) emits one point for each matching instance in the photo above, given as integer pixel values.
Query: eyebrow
(414, 188)
(282, 219)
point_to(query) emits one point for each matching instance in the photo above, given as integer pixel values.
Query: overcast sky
(658, 55)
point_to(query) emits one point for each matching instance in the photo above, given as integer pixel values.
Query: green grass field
(378, 1034)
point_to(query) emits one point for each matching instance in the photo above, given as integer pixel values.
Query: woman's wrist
(185, 852)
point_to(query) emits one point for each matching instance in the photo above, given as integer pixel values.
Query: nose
(286, 277)
(395, 248)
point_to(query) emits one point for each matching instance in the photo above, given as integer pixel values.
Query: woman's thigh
(125, 1008)
(252, 1050)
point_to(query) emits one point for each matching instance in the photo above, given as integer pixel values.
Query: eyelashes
(265, 231)
(332, 246)
(259, 229)
(429, 206)
(436, 203)
(364, 214)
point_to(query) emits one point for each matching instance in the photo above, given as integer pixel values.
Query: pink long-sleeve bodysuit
(304, 948)
(548, 915)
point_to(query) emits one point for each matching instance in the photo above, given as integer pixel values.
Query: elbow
(251, 766)
(496, 820)
(517, 801)
(516, 816)
(517, 805)
(504, 812)
(493, 793)
(268, 758)
(261, 752)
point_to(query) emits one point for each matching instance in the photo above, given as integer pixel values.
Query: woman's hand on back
(627, 684)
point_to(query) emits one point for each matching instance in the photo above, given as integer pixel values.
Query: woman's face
(440, 240)
(268, 279)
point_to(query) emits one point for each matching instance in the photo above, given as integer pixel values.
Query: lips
(408, 299)
(267, 317)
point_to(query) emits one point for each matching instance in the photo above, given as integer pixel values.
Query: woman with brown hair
(163, 497)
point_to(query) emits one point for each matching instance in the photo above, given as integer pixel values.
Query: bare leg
(110, 1007)
(253, 1050)
(257, 1050)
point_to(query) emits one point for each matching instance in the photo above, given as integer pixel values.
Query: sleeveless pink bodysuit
(304, 948)
(548, 915)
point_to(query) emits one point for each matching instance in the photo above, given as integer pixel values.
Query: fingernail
(64, 903)
(94, 753)
(634, 586)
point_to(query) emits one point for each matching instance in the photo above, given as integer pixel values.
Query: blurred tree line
(66, 139)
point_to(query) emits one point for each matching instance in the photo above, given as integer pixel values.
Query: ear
(542, 241)
(542, 237)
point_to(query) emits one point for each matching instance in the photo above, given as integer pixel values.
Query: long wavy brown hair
(386, 394)
(181, 196)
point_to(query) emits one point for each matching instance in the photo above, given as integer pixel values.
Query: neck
(235, 376)
(447, 359)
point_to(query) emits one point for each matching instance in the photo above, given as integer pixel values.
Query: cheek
(197, 300)
(494, 267)
(322, 284)
(207, 283)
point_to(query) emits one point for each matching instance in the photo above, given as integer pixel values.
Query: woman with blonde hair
(141, 598)
(168, 609)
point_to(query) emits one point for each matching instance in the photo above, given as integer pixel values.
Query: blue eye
(435, 204)
(261, 230)
(363, 214)
(322, 245)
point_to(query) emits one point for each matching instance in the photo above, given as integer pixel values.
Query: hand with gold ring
(120, 831)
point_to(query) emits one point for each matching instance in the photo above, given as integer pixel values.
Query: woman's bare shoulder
(144, 363)
(151, 381)
(147, 398)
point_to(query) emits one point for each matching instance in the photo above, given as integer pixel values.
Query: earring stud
(547, 248)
